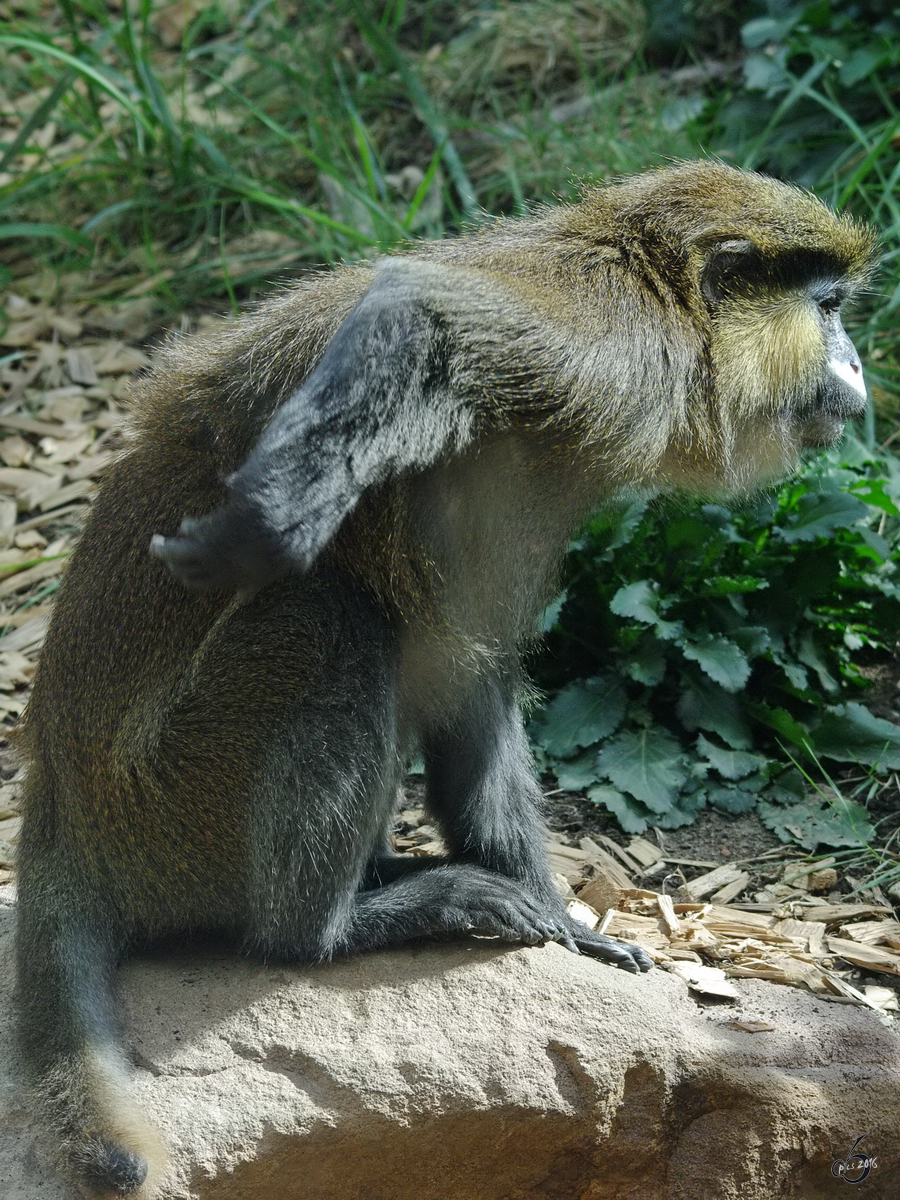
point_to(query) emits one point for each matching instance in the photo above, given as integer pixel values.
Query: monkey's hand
(624, 955)
(230, 548)
(581, 939)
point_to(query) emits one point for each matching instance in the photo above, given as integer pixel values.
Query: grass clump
(209, 145)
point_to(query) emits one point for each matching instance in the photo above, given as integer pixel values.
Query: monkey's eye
(829, 305)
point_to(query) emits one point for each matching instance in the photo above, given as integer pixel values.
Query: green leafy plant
(696, 648)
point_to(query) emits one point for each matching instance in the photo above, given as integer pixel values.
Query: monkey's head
(762, 268)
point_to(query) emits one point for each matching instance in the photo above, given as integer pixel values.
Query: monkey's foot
(623, 955)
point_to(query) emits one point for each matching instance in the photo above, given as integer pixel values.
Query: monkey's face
(840, 391)
(789, 377)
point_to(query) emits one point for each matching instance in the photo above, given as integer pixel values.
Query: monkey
(323, 548)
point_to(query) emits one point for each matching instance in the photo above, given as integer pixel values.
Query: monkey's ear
(722, 262)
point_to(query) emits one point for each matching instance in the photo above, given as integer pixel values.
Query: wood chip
(646, 931)
(603, 891)
(875, 958)
(705, 885)
(40, 428)
(751, 1026)
(811, 934)
(613, 848)
(731, 890)
(782, 968)
(847, 991)
(563, 886)
(8, 512)
(30, 634)
(690, 862)
(667, 912)
(10, 829)
(644, 852)
(65, 495)
(884, 997)
(583, 912)
(30, 487)
(119, 359)
(613, 870)
(25, 579)
(15, 451)
(873, 932)
(736, 920)
(571, 853)
(832, 914)
(81, 367)
(567, 860)
(708, 981)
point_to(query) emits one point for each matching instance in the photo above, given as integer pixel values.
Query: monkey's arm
(381, 400)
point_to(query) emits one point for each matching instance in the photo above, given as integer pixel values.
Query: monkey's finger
(188, 561)
(564, 937)
(624, 955)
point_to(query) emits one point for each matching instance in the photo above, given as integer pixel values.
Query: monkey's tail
(74, 1061)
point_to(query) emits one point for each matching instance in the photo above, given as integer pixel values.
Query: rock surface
(474, 1071)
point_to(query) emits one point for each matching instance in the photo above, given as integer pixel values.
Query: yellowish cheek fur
(768, 352)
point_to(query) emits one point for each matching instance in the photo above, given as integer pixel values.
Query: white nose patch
(851, 373)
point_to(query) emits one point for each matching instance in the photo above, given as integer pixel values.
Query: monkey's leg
(293, 706)
(481, 789)
(70, 1038)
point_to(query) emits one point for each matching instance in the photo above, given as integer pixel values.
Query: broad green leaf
(647, 662)
(731, 799)
(641, 602)
(809, 652)
(581, 714)
(820, 515)
(762, 73)
(731, 764)
(814, 822)
(690, 532)
(678, 815)
(758, 780)
(733, 585)
(648, 764)
(796, 673)
(723, 661)
(627, 522)
(874, 542)
(577, 773)
(874, 493)
(706, 706)
(631, 815)
(850, 733)
(638, 601)
(752, 639)
(783, 723)
(860, 64)
(763, 30)
(551, 613)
